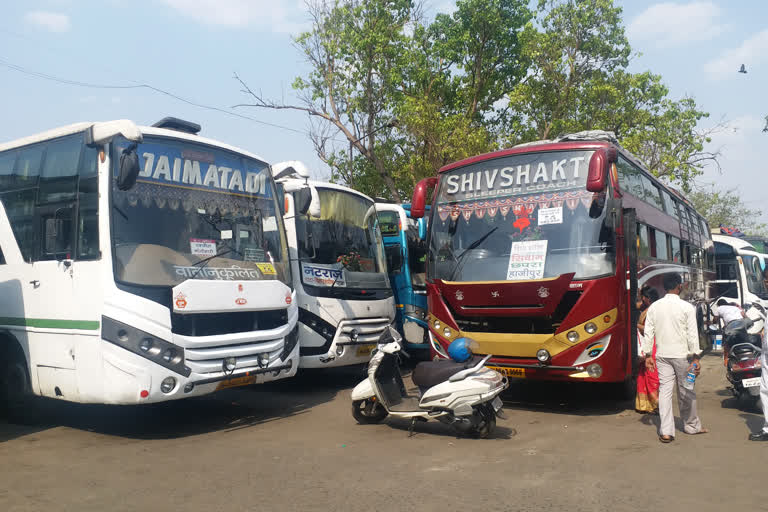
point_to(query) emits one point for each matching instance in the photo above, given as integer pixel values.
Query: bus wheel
(16, 392)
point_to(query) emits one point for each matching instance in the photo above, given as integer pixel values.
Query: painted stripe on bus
(50, 323)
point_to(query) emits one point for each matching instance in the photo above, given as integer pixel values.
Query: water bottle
(690, 379)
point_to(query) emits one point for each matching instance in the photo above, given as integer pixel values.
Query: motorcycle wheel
(484, 418)
(368, 411)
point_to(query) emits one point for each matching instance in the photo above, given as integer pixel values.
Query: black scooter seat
(430, 373)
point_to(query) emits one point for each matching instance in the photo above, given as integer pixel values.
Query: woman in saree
(647, 400)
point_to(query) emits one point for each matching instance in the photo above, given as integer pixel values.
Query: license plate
(365, 350)
(515, 373)
(496, 404)
(751, 383)
(245, 380)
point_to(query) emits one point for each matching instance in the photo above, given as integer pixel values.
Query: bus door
(630, 275)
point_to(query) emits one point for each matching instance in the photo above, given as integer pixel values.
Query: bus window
(669, 204)
(56, 228)
(6, 169)
(2, 258)
(675, 253)
(88, 207)
(27, 167)
(629, 178)
(58, 177)
(660, 239)
(651, 193)
(644, 246)
(389, 223)
(20, 208)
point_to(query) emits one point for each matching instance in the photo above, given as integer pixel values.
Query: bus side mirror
(419, 200)
(303, 200)
(314, 203)
(129, 168)
(598, 168)
(422, 223)
(281, 199)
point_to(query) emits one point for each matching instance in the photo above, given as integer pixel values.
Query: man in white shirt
(763, 434)
(672, 322)
(728, 312)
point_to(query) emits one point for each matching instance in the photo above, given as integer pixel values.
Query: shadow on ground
(226, 410)
(573, 398)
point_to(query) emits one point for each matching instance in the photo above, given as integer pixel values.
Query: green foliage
(397, 97)
(727, 208)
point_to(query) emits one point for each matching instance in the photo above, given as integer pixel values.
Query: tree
(725, 207)
(355, 49)
(408, 97)
(578, 81)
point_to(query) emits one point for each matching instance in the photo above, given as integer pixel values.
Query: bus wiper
(209, 258)
(473, 245)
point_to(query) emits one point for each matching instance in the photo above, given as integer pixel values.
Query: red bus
(538, 252)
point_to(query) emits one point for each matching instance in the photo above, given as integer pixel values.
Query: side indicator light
(144, 393)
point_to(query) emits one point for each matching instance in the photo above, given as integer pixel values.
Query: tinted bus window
(389, 223)
(629, 179)
(676, 254)
(652, 194)
(669, 204)
(644, 245)
(660, 239)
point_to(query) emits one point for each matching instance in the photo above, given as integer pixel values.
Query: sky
(191, 49)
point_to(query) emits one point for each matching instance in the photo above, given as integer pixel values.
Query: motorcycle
(742, 342)
(462, 395)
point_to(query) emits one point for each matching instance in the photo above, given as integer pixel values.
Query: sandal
(666, 439)
(702, 431)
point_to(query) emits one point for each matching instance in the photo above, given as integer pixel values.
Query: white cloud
(51, 21)
(273, 15)
(670, 24)
(751, 52)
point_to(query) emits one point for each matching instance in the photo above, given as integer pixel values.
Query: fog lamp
(594, 370)
(353, 335)
(189, 387)
(543, 355)
(229, 364)
(167, 385)
(572, 336)
(145, 344)
(591, 328)
(437, 325)
(264, 358)
(339, 350)
(447, 332)
(169, 354)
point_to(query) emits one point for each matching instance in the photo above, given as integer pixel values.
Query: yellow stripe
(526, 345)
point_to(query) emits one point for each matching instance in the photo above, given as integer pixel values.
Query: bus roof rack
(180, 125)
(586, 135)
(600, 135)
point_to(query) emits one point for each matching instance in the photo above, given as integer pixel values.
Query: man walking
(763, 435)
(672, 322)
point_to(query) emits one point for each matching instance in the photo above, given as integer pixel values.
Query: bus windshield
(754, 274)
(520, 217)
(196, 212)
(343, 247)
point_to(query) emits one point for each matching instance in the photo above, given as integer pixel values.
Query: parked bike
(742, 342)
(464, 395)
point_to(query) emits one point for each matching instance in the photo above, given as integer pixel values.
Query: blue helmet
(461, 349)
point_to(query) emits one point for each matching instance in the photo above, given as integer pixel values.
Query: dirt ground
(293, 445)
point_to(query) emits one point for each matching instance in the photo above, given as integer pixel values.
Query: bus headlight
(437, 325)
(230, 363)
(543, 356)
(591, 328)
(447, 332)
(167, 385)
(144, 344)
(595, 370)
(572, 336)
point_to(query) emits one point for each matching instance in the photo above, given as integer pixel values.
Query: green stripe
(49, 323)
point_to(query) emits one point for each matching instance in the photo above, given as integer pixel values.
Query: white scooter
(463, 395)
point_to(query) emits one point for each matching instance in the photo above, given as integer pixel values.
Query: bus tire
(16, 394)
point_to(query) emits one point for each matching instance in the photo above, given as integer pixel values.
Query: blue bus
(405, 245)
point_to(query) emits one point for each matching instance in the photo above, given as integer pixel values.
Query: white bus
(739, 271)
(339, 269)
(140, 264)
